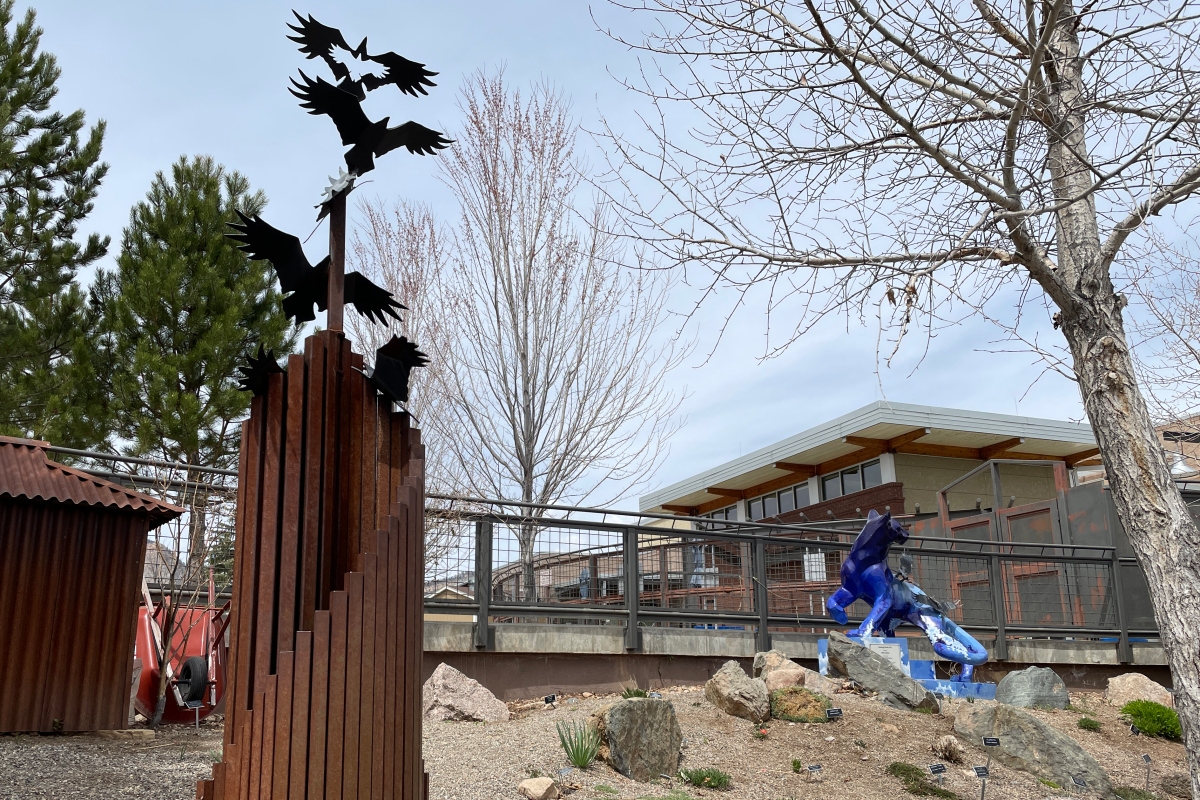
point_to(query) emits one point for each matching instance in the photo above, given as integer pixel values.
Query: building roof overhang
(867, 433)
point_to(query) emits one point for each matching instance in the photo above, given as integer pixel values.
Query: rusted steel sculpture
(324, 698)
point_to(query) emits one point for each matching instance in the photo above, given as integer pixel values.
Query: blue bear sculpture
(895, 600)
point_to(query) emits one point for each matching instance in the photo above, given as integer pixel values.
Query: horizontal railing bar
(152, 462)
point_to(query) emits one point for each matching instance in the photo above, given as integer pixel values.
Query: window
(770, 506)
(787, 501)
(851, 481)
(831, 487)
(872, 475)
(756, 509)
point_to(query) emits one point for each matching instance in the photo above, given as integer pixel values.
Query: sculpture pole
(337, 261)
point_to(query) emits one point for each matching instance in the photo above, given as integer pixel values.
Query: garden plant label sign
(833, 713)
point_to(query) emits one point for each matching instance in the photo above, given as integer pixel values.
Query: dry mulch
(470, 761)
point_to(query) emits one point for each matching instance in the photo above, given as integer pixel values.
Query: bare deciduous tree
(905, 158)
(555, 364)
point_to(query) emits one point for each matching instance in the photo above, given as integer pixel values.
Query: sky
(174, 79)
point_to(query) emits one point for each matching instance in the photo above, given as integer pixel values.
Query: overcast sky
(210, 78)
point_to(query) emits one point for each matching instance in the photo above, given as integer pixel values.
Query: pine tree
(50, 176)
(181, 311)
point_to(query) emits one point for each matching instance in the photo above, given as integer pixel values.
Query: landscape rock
(819, 683)
(1030, 745)
(734, 692)
(1132, 686)
(1038, 687)
(948, 748)
(538, 788)
(767, 662)
(784, 677)
(451, 695)
(876, 674)
(640, 737)
(1178, 786)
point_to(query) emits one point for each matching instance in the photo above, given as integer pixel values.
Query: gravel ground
(477, 761)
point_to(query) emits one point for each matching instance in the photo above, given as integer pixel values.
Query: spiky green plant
(633, 691)
(580, 742)
(707, 777)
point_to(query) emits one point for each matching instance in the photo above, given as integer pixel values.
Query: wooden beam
(865, 454)
(1086, 455)
(859, 441)
(680, 511)
(1091, 462)
(905, 438)
(737, 494)
(802, 471)
(887, 445)
(774, 485)
(995, 450)
(942, 450)
(711, 505)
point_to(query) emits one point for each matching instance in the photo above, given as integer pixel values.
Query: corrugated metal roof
(26, 473)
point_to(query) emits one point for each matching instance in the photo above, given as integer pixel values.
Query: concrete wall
(536, 660)
(924, 476)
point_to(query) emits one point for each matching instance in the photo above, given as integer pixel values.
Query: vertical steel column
(1124, 650)
(996, 578)
(760, 594)
(633, 636)
(483, 582)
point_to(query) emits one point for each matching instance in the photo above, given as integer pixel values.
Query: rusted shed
(71, 553)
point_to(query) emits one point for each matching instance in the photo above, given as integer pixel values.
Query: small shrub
(606, 789)
(1088, 724)
(859, 743)
(923, 710)
(633, 691)
(760, 733)
(533, 772)
(1153, 719)
(797, 704)
(797, 765)
(1076, 709)
(580, 741)
(913, 778)
(1051, 784)
(1133, 793)
(706, 777)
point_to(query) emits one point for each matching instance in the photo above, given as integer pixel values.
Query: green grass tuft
(707, 777)
(913, 778)
(1132, 793)
(797, 704)
(1051, 784)
(1154, 719)
(580, 742)
(633, 691)
(606, 789)
(797, 765)
(1088, 724)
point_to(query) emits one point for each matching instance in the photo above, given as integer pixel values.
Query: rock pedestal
(1132, 686)
(450, 695)
(1035, 687)
(767, 662)
(1030, 745)
(875, 673)
(640, 737)
(736, 693)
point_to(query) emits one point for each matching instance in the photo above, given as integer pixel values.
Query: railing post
(760, 594)
(996, 578)
(1124, 651)
(483, 583)
(633, 636)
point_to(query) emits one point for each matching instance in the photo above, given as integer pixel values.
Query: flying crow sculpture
(368, 139)
(307, 284)
(256, 376)
(317, 41)
(393, 363)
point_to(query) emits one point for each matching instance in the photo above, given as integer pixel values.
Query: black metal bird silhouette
(393, 363)
(318, 41)
(306, 284)
(256, 377)
(368, 139)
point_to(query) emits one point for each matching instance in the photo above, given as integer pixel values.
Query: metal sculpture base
(895, 649)
(326, 634)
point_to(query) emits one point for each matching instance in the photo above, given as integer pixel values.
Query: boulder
(538, 788)
(736, 693)
(948, 748)
(1034, 687)
(450, 695)
(640, 737)
(1030, 745)
(784, 677)
(1177, 786)
(875, 673)
(767, 662)
(819, 683)
(1132, 686)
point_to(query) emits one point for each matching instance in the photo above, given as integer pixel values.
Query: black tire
(193, 679)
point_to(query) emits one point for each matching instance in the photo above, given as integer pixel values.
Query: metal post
(996, 578)
(760, 594)
(337, 269)
(633, 636)
(483, 582)
(1124, 651)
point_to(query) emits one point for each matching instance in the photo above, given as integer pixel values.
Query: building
(885, 456)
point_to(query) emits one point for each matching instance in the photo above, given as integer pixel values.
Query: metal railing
(598, 566)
